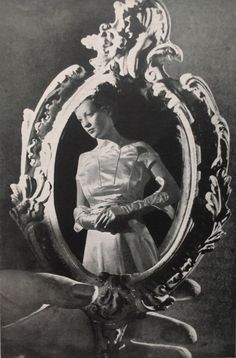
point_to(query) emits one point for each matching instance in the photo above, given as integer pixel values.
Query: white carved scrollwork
(29, 196)
(139, 26)
(219, 180)
(42, 120)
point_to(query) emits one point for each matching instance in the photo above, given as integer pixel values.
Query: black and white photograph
(117, 177)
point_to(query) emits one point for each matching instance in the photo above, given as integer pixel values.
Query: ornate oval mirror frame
(134, 47)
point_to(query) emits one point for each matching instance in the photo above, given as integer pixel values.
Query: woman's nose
(86, 123)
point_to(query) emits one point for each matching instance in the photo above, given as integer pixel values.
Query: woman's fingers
(101, 214)
(100, 218)
(102, 222)
(104, 219)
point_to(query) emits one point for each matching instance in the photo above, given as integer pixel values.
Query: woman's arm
(169, 192)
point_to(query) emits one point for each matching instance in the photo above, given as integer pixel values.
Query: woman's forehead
(86, 105)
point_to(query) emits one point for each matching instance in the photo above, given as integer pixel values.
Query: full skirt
(121, 253)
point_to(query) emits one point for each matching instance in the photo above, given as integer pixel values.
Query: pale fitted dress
(112, 175)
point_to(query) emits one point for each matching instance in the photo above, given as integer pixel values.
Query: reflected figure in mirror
(111, 180)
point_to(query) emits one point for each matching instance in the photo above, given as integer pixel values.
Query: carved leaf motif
(28, 196)
(28, 118)
(213, 198)
(216, 235)
(156, 59)
(222, 131)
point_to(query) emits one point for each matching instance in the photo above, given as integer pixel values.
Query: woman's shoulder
(87, 155)
(144, 148)
(146, 154)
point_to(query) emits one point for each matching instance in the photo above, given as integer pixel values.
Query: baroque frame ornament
(135, 46)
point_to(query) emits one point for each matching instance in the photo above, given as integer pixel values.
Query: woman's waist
(112, 200)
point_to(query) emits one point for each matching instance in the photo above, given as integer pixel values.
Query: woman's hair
(106, 96)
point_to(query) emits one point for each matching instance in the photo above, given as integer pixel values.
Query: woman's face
(96, 122)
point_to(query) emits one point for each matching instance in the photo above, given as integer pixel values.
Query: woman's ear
(107, 110)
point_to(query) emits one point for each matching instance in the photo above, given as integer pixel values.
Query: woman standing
(111, 180)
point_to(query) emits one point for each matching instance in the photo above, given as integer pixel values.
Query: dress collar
(110, 144)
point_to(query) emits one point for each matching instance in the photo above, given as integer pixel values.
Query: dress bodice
(110, 174)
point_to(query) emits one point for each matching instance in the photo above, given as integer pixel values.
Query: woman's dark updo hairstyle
(106, 96)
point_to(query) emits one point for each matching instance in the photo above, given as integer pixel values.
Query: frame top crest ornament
(139, 26)
(135, 46)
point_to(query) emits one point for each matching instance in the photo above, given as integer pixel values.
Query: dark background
(40, 38)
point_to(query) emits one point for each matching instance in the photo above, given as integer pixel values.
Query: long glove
(114, 215)
(84, 219)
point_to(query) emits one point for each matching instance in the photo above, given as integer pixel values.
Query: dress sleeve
(79, 167)
(156, 167)
(80, 197)
(148, 155)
